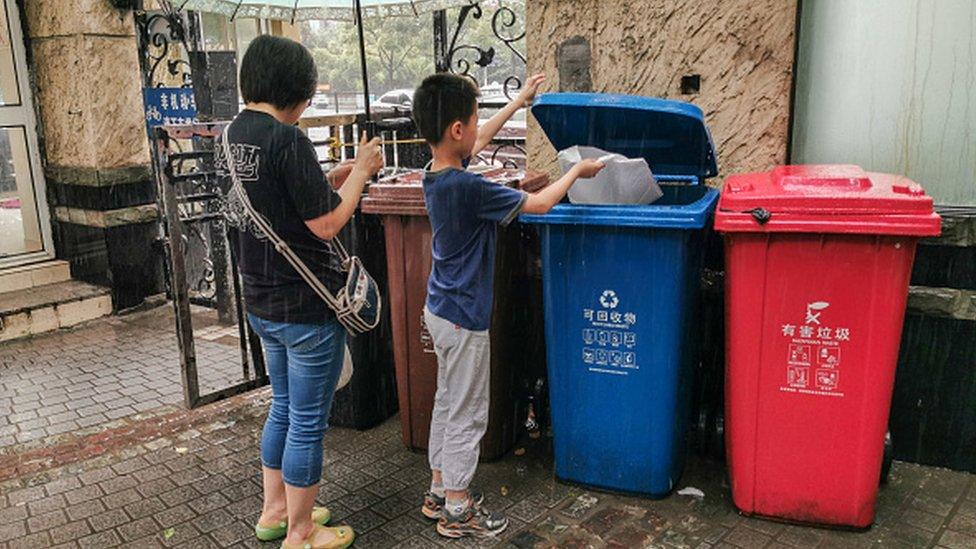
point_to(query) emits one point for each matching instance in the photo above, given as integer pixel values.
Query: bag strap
(279, 243)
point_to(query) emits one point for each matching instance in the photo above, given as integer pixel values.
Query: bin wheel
(887, 458)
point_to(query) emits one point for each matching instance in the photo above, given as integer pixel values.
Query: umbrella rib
(233, 15)
(294, 10)
(413, 6)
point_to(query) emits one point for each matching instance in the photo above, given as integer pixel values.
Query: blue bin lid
(670, 135)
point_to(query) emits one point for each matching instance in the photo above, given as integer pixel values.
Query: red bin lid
(402, 194)
(825, 198)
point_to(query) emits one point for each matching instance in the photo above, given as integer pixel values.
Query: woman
(303, 342)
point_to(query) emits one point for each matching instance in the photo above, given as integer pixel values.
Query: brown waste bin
(400, 202)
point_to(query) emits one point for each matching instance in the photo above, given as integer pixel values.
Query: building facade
(79, 221)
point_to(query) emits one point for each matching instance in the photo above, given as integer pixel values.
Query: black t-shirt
(280, 171)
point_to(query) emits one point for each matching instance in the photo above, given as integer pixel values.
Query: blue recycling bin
(620, 286)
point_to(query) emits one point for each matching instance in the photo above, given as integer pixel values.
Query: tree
(399, 52)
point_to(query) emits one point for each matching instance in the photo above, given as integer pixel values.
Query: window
(245, 30)
(9, 94)
(25, 234)
(20, 229)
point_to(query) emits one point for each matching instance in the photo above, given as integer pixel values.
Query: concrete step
(30, 276)
(48, 307)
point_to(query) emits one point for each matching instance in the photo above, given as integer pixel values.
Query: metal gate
(220, 355)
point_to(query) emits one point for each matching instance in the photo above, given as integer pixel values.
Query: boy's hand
(369, 157)
(531, 87)
(587, 168)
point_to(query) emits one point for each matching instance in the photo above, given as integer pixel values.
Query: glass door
(25, 231)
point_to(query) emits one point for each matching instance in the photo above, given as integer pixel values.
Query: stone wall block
(62, 94)
(47, 18)
(118, 123)
(90, 100)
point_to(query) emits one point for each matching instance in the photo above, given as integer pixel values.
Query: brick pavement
(94, 377)
(192, 479)
(200, 487)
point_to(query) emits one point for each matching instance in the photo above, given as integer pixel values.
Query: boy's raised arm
(491, 128)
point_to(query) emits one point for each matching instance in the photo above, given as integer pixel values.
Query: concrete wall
(88, 90)
(88, 87)
(743, 51)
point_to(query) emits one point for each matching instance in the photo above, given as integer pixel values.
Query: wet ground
(91, 378)
(158, 475)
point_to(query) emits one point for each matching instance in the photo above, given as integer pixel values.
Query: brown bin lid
(403, 194)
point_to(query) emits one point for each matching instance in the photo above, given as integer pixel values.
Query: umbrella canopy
(320, 10)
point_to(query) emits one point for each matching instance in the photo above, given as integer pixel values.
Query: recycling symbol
(609, 299)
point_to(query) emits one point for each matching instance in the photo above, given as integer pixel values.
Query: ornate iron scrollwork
(157, 32)
(458, 58)
(485, 56)
(508, 159)
(503, 20)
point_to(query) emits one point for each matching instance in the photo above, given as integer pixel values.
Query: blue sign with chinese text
(169, 106)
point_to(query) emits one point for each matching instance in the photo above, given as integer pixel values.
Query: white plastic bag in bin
(623, 180)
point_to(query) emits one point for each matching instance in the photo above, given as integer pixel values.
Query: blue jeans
(303, 362)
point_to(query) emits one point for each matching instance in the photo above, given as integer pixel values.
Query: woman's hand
(369, 157)
(337, 176)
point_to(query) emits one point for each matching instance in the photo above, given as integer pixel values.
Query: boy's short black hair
(440, 100)
(278, 71)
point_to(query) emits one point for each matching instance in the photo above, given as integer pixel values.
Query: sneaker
(434, 504)
(473, 522)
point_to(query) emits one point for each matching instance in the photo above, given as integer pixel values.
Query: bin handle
(761, 215)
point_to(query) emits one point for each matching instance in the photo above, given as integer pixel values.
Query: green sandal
(320, 516)
(344, 537)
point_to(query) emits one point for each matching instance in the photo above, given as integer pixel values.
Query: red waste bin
(818, 260)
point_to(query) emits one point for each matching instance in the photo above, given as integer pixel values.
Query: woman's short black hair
(440, 100)
(278, 71)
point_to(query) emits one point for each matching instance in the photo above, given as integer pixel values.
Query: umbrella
(318, 10)
(327, 10)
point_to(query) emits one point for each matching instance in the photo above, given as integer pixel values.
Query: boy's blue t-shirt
(465, 210)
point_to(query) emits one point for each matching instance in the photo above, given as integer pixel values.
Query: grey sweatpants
(460, 415)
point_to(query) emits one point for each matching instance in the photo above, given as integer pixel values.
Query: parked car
(320, 101)
(395, 101)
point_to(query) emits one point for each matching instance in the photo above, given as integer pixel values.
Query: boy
(464, 210)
